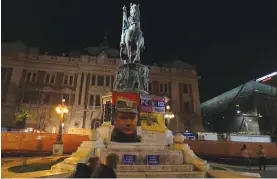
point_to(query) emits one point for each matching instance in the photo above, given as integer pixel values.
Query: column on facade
(110, 84)
(195, 97)
(175, 95)
(104, 81)
(83, 94)
(77, 91)
(14, 84)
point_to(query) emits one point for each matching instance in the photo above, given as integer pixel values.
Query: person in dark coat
(86, 170)
(82, 171)
(94, 163)
(107, 170)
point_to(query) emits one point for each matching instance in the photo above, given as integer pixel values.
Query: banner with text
(146, 103)
(158, 104)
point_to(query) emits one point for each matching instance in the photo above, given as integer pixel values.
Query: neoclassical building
(38, 82)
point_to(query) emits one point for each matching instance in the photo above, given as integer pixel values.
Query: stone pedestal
(131, 77)
(152, 137)
(57, 149)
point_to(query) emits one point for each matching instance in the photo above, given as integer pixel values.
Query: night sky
(229, 41)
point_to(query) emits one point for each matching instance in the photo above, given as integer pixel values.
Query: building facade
(38, 83)
(250, 108)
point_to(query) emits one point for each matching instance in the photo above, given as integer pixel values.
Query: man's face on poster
(126, 122)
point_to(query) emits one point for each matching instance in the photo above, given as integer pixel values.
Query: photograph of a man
(125, 121)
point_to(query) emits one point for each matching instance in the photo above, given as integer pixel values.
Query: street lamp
(61, 110)
(168, 115)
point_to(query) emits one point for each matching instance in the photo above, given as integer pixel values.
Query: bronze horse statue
(132, 41)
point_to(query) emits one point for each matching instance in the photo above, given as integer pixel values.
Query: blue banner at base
(128, 159)
(153, 159)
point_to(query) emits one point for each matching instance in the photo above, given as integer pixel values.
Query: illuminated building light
(267, 76)
(266, 79)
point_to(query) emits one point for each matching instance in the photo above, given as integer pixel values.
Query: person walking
(245, 154)
(107, 170)
(262, 157)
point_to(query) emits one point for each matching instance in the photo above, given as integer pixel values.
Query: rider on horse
(131, 26)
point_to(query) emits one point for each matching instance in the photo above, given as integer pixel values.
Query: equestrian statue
(132, 41)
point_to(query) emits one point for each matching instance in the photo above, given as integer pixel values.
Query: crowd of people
(95, 169)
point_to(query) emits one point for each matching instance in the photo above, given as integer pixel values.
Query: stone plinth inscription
(153, 159)
(128, 159)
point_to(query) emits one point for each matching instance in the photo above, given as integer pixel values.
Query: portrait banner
(152, 121)
(125, 117)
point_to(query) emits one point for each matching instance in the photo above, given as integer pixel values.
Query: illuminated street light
(62, 109)
(238, 111)
(168, 115)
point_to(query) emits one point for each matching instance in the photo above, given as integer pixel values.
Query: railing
(27, 141)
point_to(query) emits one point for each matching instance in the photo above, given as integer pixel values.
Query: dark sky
(229, 41)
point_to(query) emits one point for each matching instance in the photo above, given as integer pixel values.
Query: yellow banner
(152, 121)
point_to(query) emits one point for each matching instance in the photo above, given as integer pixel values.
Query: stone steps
(64, 166)
(72, 160)
(83, 149)
(167, 157)
(193, 174)
(155, 168)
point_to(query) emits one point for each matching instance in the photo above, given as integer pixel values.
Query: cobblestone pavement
(271, 170)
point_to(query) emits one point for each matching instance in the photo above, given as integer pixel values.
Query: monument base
(58, 149)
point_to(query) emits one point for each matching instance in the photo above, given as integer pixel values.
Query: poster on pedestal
(158, 104)
(146, 103)
(125, 117)
(152, 121)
